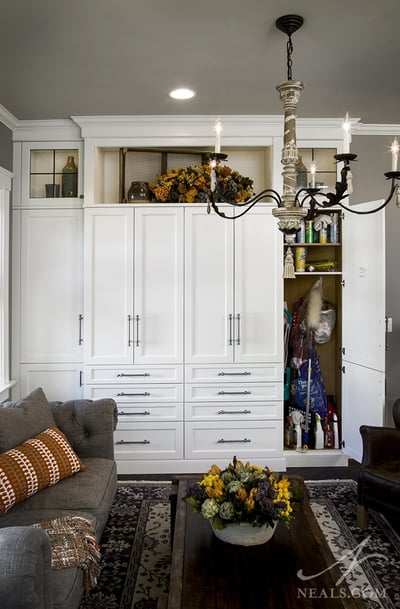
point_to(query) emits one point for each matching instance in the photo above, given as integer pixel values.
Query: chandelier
(295, 204)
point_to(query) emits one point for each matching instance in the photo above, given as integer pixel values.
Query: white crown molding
(258, 129)
(375, 129)
(8, 119)
(175, 129)
(46, 130)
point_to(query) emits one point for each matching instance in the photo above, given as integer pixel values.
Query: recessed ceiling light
(181, 94)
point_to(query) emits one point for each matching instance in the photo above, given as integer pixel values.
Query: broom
(312, 319)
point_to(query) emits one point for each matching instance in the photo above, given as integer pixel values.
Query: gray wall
(370, 184)
(6, 153)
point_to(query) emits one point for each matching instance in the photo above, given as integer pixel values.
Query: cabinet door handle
(245, 373)
(122, 393)
(238, 329)
(245, 392)
(130, 330)
(137, 342)
(122, 374)
(230, 317)
(133, 414)
(234, 411)
(133, 442)
(80, 319)
(244, 441)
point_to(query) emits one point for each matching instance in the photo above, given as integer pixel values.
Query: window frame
(5, 190)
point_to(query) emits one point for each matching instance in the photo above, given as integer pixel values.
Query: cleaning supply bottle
(329, 440)
(319, 433)
(336, 442)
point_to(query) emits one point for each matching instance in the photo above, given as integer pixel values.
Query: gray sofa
(27, 580)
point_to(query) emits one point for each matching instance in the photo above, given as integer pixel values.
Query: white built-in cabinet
(50, 307)
(233, 330)
(175, 313)
(233, 288)
(133, 285)
(134, 326)
(159, 300)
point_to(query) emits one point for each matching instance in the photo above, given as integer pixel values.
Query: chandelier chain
(289, 47)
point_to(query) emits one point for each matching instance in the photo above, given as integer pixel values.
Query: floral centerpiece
(243, 493)
(193, 184)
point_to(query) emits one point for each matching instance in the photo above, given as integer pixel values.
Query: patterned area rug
(136, 551)
(368, 559)
(136, 548)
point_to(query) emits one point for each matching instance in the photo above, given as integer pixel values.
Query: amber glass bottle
(69, 179)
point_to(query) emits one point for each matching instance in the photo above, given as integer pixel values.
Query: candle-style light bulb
(395, 153)
(213, 165)
(313, 170)
(346, 134)
(218, 129)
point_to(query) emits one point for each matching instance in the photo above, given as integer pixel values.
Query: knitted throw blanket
(73, 544)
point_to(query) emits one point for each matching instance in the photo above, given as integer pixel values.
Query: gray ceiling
(62, 58)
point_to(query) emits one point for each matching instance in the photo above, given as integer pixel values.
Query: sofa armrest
(89, 425)
(379, 443)
(26, 580)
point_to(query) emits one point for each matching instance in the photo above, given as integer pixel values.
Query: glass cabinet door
(325, 167)
(51, 173)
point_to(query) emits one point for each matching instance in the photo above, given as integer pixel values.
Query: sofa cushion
(22, 420)
(89, 494)
(39, 462)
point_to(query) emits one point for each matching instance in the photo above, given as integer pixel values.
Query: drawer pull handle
(133, 414)
(234, 411)
(123, 374)
(144, 394)
(246, 392)
(246, 373)
(133, 442)
(244, 441)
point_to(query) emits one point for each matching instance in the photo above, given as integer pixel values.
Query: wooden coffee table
(209, 574)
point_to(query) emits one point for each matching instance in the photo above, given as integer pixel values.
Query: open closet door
(363, 331)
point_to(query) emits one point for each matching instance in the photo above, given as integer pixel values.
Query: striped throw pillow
(41, 461)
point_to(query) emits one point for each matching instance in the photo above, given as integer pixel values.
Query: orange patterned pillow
(39, 462)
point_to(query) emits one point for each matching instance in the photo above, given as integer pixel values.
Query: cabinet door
(363, 375)
(258, 288)
(209, 313)
(108, 286)
(158, 286)
(59, 381)
(51, 285)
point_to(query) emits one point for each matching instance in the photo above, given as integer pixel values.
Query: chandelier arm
(268, 193)
(376, 209)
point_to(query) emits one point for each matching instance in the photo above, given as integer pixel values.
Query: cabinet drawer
(225, 439)
(133, 374)
(162, 412)
(233, 373)
(230, 411)
(148, 441)
(136, 393)
(233, 393)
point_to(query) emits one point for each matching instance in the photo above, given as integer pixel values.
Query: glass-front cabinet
(53, 174)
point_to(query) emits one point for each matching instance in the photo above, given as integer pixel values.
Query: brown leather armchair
(379, 479)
